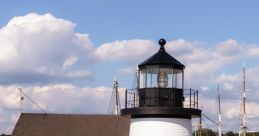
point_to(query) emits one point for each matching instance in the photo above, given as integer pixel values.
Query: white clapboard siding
(160, 127)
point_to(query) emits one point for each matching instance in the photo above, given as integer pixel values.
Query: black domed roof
(162, 58)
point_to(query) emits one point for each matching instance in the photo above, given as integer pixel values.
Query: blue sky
(106, 21)
(76, 48)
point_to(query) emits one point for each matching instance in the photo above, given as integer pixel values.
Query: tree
(231, 133)
(207, 132)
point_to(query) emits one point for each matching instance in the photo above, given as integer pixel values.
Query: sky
(68, 53)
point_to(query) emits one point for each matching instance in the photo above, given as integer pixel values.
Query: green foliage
(206, 132)
(209, 132)
(230, 133)
(253, 134)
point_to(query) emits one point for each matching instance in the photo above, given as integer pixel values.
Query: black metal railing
(131, 98)
(190, 100)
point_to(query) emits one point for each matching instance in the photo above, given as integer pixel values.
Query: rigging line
(210, 119)
(34, 102)
(133, 84)
(134, 80)
(109, 109)
(206, 126)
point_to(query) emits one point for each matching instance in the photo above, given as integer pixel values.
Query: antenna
(21, 98)
(22, 95)
(33, 102)
(243, 119)
(219, 114)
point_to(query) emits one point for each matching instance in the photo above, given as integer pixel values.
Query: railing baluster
(194, 100)
(190, 98)
(197, 99)
(126, 99)
(134, 100)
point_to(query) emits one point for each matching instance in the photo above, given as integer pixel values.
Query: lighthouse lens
(162, 79)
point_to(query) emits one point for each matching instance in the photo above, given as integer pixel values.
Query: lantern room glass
(158, 77)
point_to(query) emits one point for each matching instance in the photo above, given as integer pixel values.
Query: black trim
(162, 116)
(162, 112)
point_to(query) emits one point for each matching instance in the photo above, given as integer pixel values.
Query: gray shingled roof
(32, 124)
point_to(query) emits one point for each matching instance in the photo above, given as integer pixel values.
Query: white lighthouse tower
(157, 105)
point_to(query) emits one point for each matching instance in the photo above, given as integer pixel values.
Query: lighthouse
(160, 106)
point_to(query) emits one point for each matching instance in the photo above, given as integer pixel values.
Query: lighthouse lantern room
(158, 105)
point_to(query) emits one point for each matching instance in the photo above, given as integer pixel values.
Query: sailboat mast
(219, 114)
(243, 126)
(117, 99)
(244, 90)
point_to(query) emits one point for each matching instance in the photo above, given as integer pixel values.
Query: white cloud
(181, 47)
(228, 86)
(228, 78)
(252, 50)
(229, 47)
(36, 47)
(79, 74)
(126, 50)
(204, 88)
(84, 100)
(127, 71)
(69, 61)
(205, 62)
